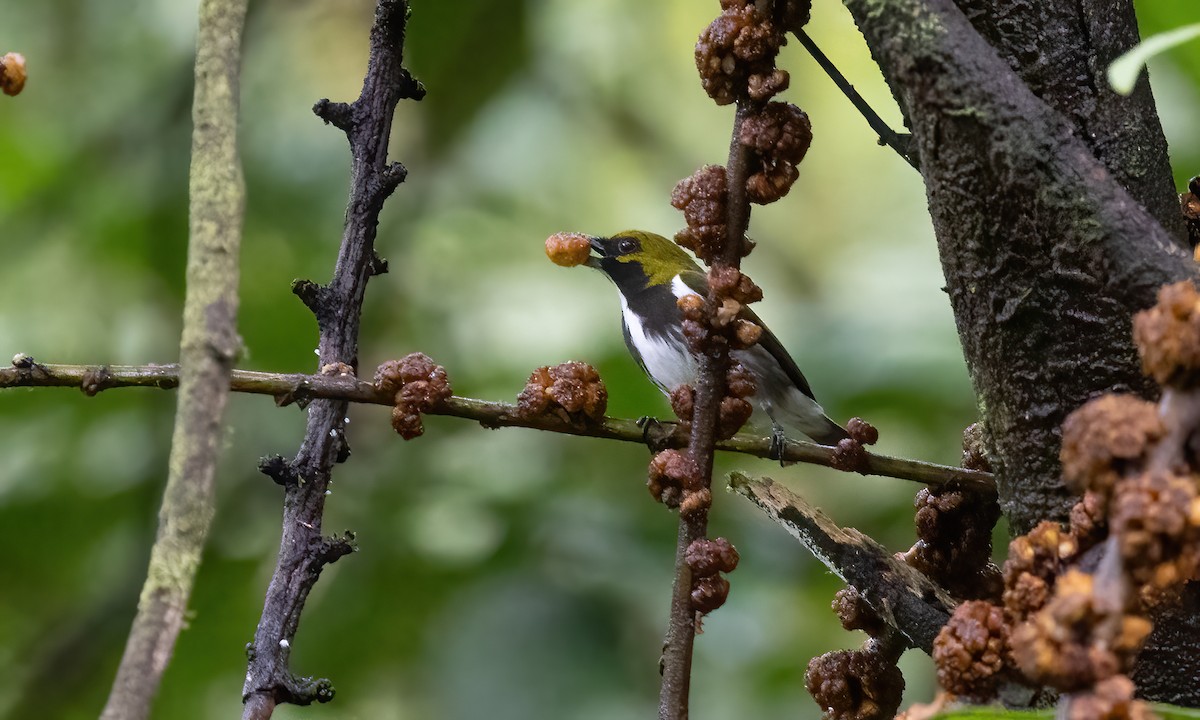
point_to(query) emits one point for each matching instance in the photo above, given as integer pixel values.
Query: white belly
(668, 364)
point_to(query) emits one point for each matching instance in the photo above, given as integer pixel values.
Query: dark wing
(698, 282)
(771, 344)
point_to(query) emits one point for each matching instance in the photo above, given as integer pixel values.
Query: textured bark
(303, 550)
(1062, 50)
(907, 601)
(208, 347)
(1168, 668)
(1046, 255)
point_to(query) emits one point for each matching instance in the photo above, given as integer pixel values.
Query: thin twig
(303, 551)
(208, 348)
(299, 388)
(887, 136)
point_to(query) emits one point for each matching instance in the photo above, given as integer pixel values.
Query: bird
(651, 273)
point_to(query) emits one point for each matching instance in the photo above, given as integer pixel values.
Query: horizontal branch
(906, 600)
(300, 388)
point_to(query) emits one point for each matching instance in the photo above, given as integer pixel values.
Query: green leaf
(1124, 71)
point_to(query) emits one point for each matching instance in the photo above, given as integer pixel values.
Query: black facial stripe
(628, 276)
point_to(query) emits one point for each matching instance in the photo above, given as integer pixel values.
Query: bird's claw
(777, 445)
(654, 435)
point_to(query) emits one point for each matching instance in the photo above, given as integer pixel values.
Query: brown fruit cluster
(1156, 519)
(974, 454)
(795, 13)
(849, 456)
(683, 403)
(1189, 205)
(1168, 336)
(1089, 520)
(568, 249)
(573, 390)
(971, 651)
(862, 432)
(1034, 562)
(1106, 438)
(703, 197)
(855, 613)
(707, 560)
(736, 55)
(736, 290)
(672, 476)
(855, 685)
(778, 136)
(730, 323)
(1137, 522)
(694, 324)
(735, 408)
(1058, 646)
(418, 385)
(954, 541)
(730, 282)
(12, 73)
(1111, 699)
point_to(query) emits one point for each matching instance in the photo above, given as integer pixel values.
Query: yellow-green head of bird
(636, 259)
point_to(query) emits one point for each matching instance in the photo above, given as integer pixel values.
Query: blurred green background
(502, 574)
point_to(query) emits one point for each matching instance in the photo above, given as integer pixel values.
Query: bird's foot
(646, 422)
(777, 446)
(654, 435)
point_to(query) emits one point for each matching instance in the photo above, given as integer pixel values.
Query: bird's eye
(626, 245)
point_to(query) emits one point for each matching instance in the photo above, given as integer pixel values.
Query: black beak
(597, 247)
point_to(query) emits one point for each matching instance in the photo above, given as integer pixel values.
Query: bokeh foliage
(502, 574)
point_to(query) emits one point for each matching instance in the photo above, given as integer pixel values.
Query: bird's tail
(831, 434)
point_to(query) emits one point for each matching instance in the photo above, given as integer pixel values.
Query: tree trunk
(1040, 209)
(1056, 220)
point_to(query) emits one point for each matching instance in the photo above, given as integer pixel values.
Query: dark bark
(1062, 50)
(1168, 668)
(303, 550)
(1046, 255)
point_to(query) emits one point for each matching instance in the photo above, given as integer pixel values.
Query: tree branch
(887, 136)
(207, 350)
(303, 551)
(712, 367)
(906, 600)
(302, 389)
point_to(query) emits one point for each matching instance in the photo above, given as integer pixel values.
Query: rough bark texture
(1168, 667)
(1062, 50)
(304, 551)
(208, 347)
(1046, 255)
(909, 602)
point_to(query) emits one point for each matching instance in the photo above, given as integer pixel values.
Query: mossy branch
(288, 388)
(299, 388)
(207, 351)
